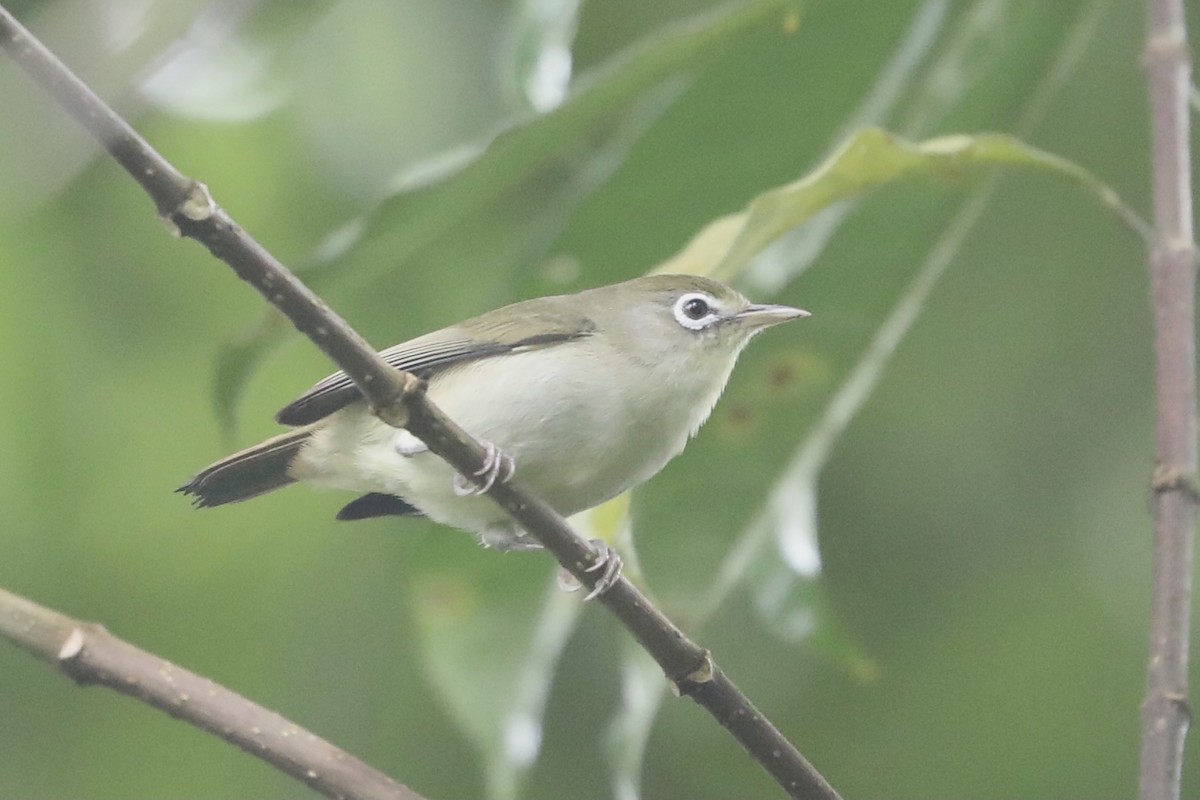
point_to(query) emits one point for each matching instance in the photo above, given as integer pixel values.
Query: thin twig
(1165, 710)
(399, 399)
(92, 656)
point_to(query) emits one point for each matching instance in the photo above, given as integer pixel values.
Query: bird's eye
(695, 311)
(695, 308)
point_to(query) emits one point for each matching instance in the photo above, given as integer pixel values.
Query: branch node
(704, 672)
(72, 652)
(395, 412)
(1171, 247)
(1183, 706)
(1167, 478)
(1166, 48)
(198, 205)
(72, 646)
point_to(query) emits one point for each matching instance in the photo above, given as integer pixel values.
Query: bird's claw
(497, 466)
(608, 563)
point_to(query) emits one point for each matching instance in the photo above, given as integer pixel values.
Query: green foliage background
(978, 627)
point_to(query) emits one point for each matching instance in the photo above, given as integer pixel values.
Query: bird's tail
(256, 470)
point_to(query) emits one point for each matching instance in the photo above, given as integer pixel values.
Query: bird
(583, 395)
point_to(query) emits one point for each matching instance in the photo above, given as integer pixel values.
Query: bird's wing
(482, 337)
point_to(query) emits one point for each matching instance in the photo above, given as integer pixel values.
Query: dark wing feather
(488, 335)
(423, 357)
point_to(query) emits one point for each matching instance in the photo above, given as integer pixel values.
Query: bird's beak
(757, 317)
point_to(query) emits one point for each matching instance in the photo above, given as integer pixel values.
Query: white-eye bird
(587, 394)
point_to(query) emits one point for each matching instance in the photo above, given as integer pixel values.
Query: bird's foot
(608, 563)
(496, 467)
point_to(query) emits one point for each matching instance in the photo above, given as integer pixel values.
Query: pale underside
(577, 437)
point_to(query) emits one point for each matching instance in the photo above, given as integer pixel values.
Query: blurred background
(946, 599)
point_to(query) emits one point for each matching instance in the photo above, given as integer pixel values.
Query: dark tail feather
(249, 473)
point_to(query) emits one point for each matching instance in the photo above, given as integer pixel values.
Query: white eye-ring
(695, 310)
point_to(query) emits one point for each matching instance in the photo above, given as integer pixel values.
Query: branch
(1165, 709)
(91, 656)
(399, 399)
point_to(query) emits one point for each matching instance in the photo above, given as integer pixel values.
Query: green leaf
(780, 391)
(491, 638)
(490, 648)
(867, 160)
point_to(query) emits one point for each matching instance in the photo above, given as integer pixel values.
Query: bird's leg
(608, 563)
(496, 466)
(507, 537)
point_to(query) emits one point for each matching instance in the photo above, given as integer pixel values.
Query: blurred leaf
(776, 557)
(491, 641)
(498, 203)
(643, 689)
(780, 388)
(491, 650)
(796, 609)
(225, 66)
(540, 38)
(867, 160)
(417, 212)
(236, 361)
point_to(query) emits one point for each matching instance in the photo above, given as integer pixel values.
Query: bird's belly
(572, 445)
(558, 462)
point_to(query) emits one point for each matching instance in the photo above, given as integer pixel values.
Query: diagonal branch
(1165, 710)
(92, 656)
(399, 399)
